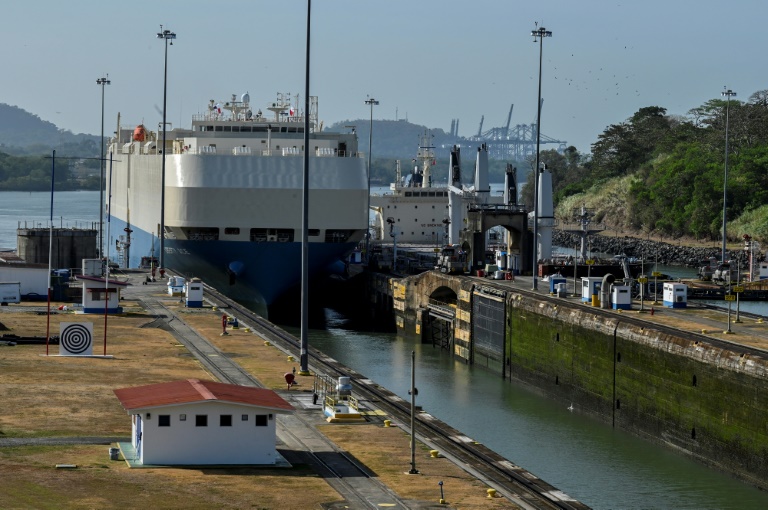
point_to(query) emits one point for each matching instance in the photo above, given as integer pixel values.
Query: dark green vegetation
(674, 171)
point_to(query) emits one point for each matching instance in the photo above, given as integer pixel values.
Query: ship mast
(426, 156)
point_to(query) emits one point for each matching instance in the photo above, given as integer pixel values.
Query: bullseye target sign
(76, 339)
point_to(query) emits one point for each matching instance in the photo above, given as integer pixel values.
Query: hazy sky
(429, 61)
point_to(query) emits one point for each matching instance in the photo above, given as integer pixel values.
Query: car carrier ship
(233, 197)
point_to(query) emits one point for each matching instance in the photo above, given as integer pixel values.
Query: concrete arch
(444, 294)
(513, 219)
(432, 285)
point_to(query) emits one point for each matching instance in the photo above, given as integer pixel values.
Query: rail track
(512, 481)
(346, 475)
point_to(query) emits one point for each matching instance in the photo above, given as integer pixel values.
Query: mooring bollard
(434, 454)
(387, 423)
(491, 493)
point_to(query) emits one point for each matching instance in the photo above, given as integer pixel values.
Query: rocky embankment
(668, 254)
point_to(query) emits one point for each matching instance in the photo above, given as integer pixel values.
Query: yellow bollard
(267, 343)
(214, 308)
(491, 493)
(387, 423)
(247, 330)
(290, 358)
(434, 454)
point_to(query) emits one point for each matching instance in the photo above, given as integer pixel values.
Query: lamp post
(372, 102)
(166, 35)
(538, 36)
(304, 333)
(103, 82)
(728, 93)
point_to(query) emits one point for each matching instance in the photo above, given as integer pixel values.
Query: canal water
(587, 459)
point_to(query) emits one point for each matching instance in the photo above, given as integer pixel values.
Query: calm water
(600, 466)
(604, 468)
(72, 209)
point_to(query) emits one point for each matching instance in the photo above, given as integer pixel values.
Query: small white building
(621, 297)
(33, 278)
(193, 291)
(96, 290)
(675, 295)
(590, 289)
(196, 422)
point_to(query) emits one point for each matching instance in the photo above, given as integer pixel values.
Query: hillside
(22, 132)
(396, 139)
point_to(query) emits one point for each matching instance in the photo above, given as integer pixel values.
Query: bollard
(434, 454)
(267, 343)
(387, 423)
(290, 358)
(491, 493)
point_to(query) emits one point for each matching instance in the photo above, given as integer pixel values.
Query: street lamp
(166, 35)
(372, 102)
(728, 93)
(538, 36)
(102, 82)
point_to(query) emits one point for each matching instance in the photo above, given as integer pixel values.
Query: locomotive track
(511, 481)
(347, 476)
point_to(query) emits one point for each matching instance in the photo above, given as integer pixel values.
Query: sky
(428, 61)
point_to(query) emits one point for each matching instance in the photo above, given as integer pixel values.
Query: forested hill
(22, 133)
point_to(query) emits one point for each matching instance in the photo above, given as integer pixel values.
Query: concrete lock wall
(706, 400)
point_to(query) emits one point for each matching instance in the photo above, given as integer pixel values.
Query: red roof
(195, 390)
(99, 279)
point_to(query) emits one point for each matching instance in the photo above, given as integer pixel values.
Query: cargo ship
(233, 197)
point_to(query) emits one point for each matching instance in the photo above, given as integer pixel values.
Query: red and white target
(76, 339)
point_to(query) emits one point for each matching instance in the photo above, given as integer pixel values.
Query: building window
(261, 420)
(163, 420)
(201, 420)
(231, 231)
(182, 417)
(225, 420)
(244, 417)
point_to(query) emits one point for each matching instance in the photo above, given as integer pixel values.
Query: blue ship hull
(246, 271)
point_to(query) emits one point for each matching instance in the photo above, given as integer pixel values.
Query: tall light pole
(728, 93)
(103, 82)
(304, 333)
(538, 36)
(372, 102)
(166, 35)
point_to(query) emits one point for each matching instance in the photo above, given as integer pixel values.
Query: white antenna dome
(245, 98)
